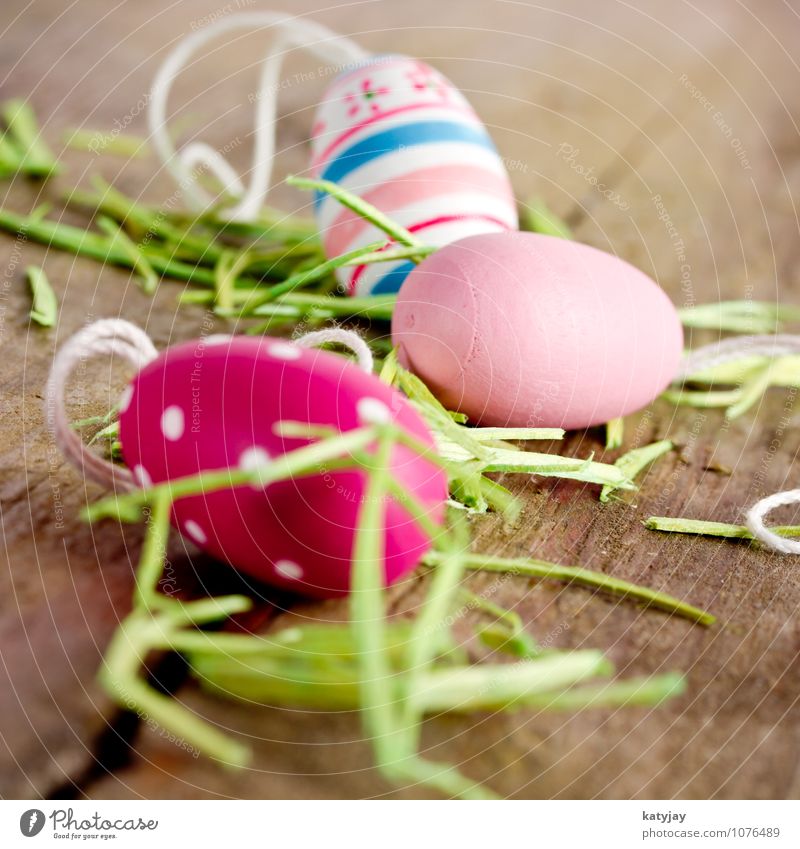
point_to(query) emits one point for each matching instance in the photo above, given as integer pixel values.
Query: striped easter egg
(397, 133)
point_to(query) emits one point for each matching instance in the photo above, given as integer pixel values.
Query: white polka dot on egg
(254, 459)
(217, 339)
(194, 532)
(373, 411)
(285, 351)
(172, 423)
(289, 569)
(143, 477)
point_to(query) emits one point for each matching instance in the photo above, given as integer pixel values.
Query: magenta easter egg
(522, 329)
(397, 133)
(214, 403)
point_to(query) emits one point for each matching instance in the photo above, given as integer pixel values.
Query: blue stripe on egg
(392, 280)
(406, 135)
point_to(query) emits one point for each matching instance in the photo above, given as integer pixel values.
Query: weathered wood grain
(628, 90)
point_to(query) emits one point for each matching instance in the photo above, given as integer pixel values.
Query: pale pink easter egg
(214, 403)
(522, 329)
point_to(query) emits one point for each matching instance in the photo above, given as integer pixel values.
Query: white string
(185, 165)
(346, 338)
(121, 338)
(729, 350)
(756, 526)
(197, 156)
(107, 336)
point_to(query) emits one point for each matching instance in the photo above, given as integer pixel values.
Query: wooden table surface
(686, 115)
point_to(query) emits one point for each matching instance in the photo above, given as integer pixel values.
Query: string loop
(346, 338)
(107, 336)
(185, 165)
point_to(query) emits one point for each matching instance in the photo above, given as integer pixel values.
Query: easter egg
(397, 133)
(215, 403)
(527, 330)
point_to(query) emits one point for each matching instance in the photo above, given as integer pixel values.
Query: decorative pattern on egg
(215, 403)
(397, 133)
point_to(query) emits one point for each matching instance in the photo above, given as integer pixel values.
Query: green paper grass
(537, 217)
(44, 310)
(361, 207)
(533, 568)
(750, 377)
(634, 461)
(394, 674)
(615, 434)
(507, 632)
(22, 149)
(116, 144)
(139, 262)
(472, 453)
(747, 317)
(700, 527)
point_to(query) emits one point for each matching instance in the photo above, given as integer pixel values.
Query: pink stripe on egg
(424, 225)
(420, 185)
